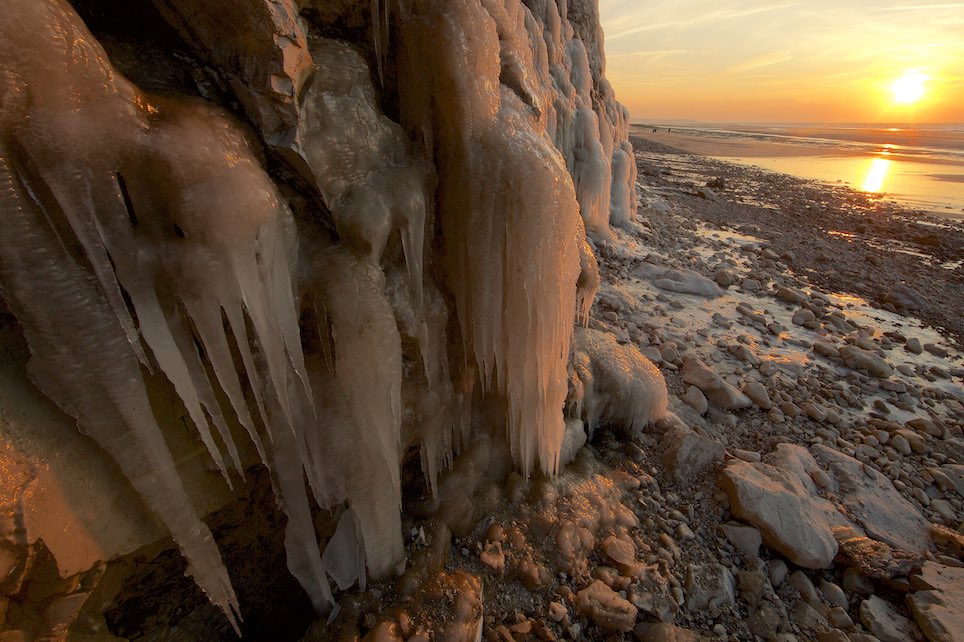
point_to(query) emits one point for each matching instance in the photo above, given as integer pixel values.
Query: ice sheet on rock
(623, 387)
(588, 284)
(624, 181)
(361, 159)
(344, 557)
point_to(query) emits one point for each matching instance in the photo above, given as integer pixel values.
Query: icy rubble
(144, 241)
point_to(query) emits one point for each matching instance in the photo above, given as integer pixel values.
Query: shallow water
(918, 167)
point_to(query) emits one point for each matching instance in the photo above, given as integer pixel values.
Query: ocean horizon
(919, 165)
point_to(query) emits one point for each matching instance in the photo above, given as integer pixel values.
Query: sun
(909, 88)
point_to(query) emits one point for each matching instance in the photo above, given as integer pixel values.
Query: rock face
(209, 308)
(797, 518)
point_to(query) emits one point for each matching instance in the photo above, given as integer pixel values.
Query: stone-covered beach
(809, 486)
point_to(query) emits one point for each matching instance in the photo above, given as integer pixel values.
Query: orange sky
(812, 61)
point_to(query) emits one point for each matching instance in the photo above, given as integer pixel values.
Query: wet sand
(719, 146)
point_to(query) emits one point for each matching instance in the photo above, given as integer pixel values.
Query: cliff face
(313, 236)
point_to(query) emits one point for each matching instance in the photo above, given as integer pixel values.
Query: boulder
(779, 498)
(883, 621)
(688, 454)
(661, 632)
(870, 500)
(938, 603)
(746, 539)
(606, 608)
(714, 387)
(688, 282)
(708, 586)
(905, 298)
(860, 359)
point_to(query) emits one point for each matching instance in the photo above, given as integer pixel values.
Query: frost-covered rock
(679, 280)
(617, 383)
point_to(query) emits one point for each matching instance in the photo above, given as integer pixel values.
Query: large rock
(606, 608)
(905, 298)
(688, 454)
(938, 603)
(688, 282)
(679, 280)
(861, 507)
(779, 498)
(708, 586)
(883, 621)
(871, 501)
(717, 390)
(661, 632)
(860, 359)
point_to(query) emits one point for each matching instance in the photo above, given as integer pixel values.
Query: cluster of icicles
(142, 242)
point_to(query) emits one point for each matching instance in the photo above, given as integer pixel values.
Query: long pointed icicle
(82, 359)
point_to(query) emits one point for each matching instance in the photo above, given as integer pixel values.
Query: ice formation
(145, 246)
(615, 382)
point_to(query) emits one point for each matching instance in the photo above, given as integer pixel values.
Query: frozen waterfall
(453, 166)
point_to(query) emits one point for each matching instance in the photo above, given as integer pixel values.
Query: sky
(773, 61)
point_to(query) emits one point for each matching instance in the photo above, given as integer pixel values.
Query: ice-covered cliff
(330, 232)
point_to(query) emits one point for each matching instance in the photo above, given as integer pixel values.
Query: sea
(919, 166)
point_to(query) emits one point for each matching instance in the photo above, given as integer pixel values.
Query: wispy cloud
(697, 17)
(924, 7)
(763, 60)
(651, 55)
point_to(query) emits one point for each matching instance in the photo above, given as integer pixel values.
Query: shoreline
(841, 239)
(920, 179)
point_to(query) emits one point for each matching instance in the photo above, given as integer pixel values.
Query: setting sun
(909, 88)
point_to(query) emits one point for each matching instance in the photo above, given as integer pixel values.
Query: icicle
(82, 359)
(588, 283)
(362, 401)
(344, 558)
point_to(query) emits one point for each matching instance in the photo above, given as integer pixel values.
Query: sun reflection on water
(877, 175)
